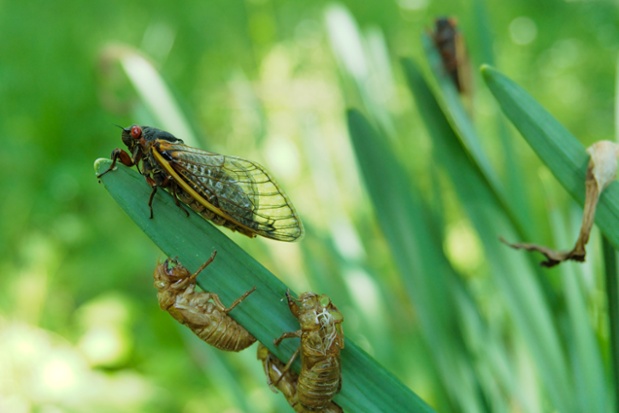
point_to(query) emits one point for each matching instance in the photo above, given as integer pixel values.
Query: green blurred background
(80, 328)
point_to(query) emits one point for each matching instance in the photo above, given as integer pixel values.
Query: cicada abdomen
(201, 311)
(285, 380)
(227, 190)
(322, 339)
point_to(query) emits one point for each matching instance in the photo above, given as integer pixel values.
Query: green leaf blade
(562, 153)
(367, 386)
(567, 159)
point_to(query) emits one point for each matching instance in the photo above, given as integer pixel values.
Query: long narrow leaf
(566, 158)
(430, 281)
(461, 122)
(562, 153)
(515, 282)
(367, 387)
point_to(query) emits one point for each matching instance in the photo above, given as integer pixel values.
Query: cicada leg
(152, 196)
(175, 196)
(166, 183)
(119, 154)
(203, 266)
(237, 301)
(263, 354)
(287, 366)
(290, 334)
(217, 301)
(215, 297)
(292, 304)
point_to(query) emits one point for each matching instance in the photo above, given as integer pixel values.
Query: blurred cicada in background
(450, 44)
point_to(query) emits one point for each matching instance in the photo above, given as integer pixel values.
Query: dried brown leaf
(601, 172)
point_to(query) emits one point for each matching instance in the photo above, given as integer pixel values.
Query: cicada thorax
(227, 190)
(201, 311)
(321, 341)
(286, 381)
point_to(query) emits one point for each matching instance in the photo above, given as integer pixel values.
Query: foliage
(403, 201)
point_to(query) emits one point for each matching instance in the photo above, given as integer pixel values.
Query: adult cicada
(452, 49)
(230, 191)
(285, 380)
(322, 339)
(201, 311)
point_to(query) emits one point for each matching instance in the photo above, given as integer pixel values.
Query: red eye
(136, 132)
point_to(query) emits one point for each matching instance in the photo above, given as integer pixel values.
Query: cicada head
(142, 137)
(445, 29)
(132, 137)
(168, 277)
(301, 305)
(169, 273)
(175, 271)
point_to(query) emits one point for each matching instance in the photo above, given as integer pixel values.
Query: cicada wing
(240, 189)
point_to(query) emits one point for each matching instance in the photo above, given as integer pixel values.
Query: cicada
(285, 380)
(201, 311)
(227, 190)
(322, 339)
(452, 49)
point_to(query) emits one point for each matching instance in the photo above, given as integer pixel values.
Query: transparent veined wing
(235, 189)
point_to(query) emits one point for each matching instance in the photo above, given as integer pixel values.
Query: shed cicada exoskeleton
(285, 380)
(322, 339)
(230, 191)
(201, 311)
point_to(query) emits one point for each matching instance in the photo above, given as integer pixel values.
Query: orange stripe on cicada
(201, 311)
(322, 339)
(230, 191)
(285, 380)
